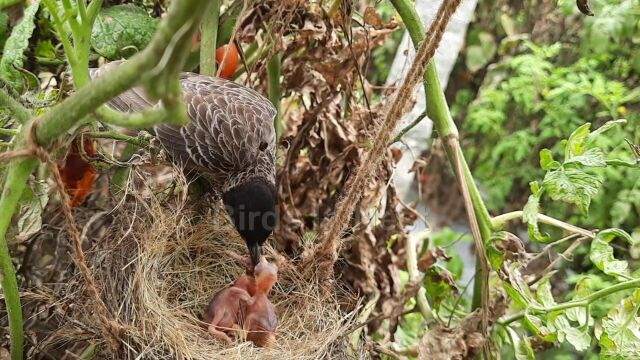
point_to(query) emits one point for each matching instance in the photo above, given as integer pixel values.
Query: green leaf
(524, 351)
(543, 292)
(621, 329)
(579, 338)
(32, 204)
(521, 345)
(517, 288)
(440, 285)
(593, 157)
(576, 144)
(579, 313)
(12, 56)
(495, 256)
(121, 31)
(530, 213)
(538, 327)
(608, 125)
(601, 253)
(45, 49)
(479, 55)
(546, 160)
(573, 186)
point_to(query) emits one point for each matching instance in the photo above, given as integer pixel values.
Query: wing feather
(229, 126)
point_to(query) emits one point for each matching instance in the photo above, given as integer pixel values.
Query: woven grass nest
(158, 264)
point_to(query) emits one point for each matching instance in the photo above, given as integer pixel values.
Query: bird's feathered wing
(231, 137)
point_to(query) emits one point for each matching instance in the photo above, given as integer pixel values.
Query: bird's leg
(213, 330)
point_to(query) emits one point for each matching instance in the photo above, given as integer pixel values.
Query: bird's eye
(263, 146)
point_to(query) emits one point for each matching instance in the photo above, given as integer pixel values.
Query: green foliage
(32, 204)
(620, 333)
(11, 63)
(528, 102)
(121, 31)
(601, 253)
(569, 181)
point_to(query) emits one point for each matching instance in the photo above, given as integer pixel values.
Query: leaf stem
(115, 135)
(408, 128)
(498, 222)
(626, 285)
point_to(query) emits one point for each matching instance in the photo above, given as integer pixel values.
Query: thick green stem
(18, 110)
(209, 35)
(626, 285)
(273, 73)
(18, 172)
(438, 112)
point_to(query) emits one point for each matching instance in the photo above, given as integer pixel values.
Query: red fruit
(77, 174)
(231, 60)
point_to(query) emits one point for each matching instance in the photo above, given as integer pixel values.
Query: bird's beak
(255, 251)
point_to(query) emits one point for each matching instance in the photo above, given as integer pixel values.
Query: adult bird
(230, 141)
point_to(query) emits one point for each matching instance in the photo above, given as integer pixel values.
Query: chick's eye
(263, 146)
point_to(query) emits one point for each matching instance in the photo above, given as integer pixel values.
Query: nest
(158, 264)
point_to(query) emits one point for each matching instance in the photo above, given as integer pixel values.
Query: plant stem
(208, 40)
(408, 128)
(18, 172)
(115, 135)
(273, 74)
(626, 285)
(499, 221)
(21, 113)
(414, 275)
(10, 132)
(438, 112)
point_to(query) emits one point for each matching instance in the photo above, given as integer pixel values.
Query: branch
(408, 128)
(138, 141)
(626, 285)
(21, 113)
(499, 221)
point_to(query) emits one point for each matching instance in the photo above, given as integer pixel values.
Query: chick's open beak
(255, 251)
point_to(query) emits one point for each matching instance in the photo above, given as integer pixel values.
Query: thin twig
(574, 245)
(408, 128)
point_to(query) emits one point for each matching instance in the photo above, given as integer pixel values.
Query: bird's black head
(252, 207)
